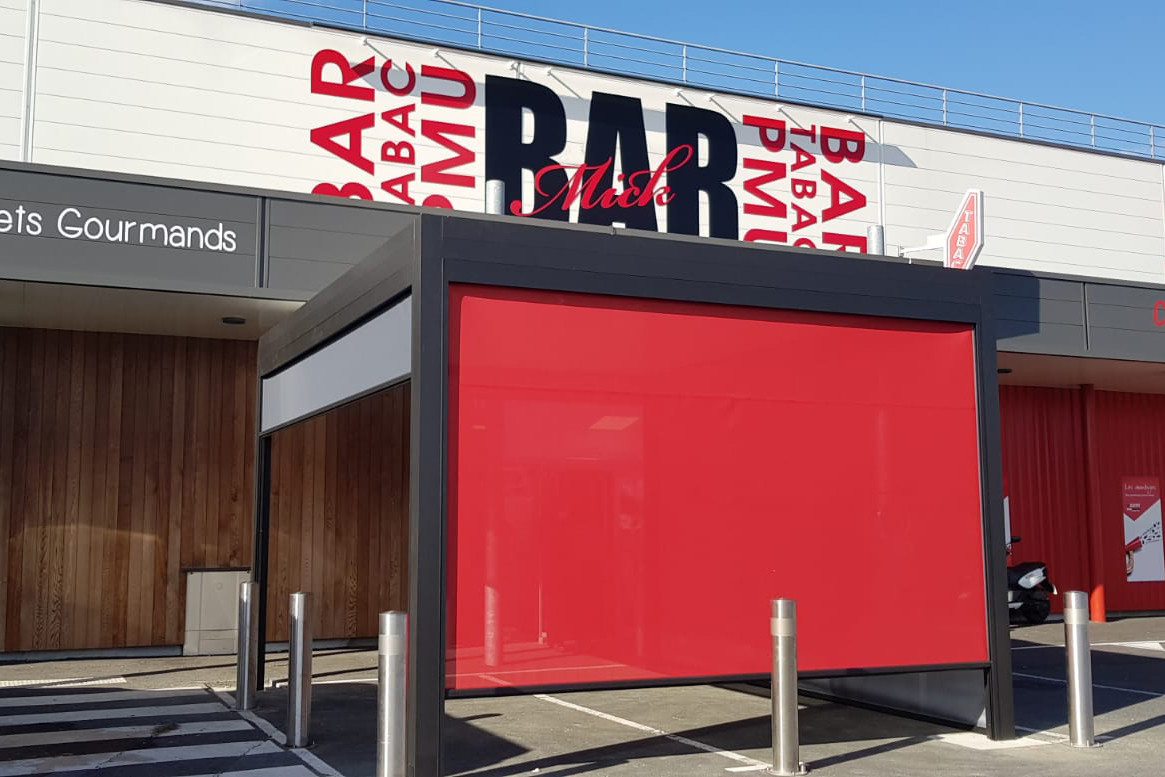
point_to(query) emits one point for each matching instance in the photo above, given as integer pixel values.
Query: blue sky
(1099, 57)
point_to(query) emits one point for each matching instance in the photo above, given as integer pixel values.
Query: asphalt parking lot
(676, 732)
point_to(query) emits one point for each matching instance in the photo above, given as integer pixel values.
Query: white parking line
(1058, 681)
(751, 763)
(311, 759)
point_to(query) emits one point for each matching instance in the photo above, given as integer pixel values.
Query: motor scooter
(1028, 588)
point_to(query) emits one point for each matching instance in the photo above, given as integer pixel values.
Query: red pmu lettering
(853, 199)
(764, 128)
(845, 242)
(766, 236)
(463, 100)
(434, 172)
(353, 153)
(437, 201)
(352, 190)
(804, 242)
(773, 207)
(838, 145)
(348, 73)
(410, 79)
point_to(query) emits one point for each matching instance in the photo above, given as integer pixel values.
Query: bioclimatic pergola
(623, 445)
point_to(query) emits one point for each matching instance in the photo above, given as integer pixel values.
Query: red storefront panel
(632, 481)
(1044, 480)
(1130, 442)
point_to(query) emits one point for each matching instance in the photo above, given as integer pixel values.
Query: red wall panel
(632, 481)
(1044, 478)
(1130, 441)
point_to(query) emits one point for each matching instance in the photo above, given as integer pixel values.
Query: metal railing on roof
(466, 25)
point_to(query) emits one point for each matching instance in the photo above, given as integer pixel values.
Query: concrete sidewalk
(701, 730)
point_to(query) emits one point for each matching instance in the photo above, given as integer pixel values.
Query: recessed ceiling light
(234, 320)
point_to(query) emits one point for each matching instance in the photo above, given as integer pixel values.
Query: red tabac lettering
(354, 128)
(839, 189)
(838, 145)
(348, 73)
(773, 207)
(804, 218)
(766, 236)
(386, 78)
(399, 117)
(804, 242)
(463, 100)
(804, 188)
(845, 242)
(399, 187)
(401, 153)
(351, 190)
(810, 133)
(773, 142)
(804, 158)
(434, 172)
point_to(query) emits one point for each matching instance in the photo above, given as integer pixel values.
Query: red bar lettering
(766, 236)
(838, 145)
(804, 242)
(845, 242)
(348, 73)
(324, 137)
(854, 200)
(352, 190)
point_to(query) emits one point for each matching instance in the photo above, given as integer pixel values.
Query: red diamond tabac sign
(964, 238)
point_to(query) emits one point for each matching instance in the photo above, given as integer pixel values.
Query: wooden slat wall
(123, 460)
(339, 516)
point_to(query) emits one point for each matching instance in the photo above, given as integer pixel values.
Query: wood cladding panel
(339, 516)
(123, 460)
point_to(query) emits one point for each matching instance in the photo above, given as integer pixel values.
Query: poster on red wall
(1144, 555)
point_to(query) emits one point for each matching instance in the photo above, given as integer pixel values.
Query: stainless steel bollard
(495, 197)
(390, 685)
(1080, 731)
(248, 650)
(299, 672)
(786, 739)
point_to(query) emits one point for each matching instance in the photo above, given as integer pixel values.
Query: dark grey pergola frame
(448, 248)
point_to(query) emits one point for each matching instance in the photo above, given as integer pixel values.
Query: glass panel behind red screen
(631, 482)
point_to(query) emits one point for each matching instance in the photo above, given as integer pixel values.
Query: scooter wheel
(1035, 611)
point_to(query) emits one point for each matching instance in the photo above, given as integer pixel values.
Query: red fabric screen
(631, 482)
